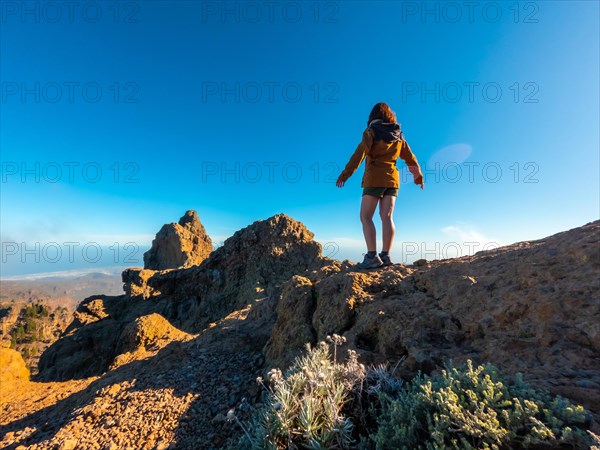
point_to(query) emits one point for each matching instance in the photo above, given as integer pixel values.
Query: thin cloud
(465, 234)
(469, 239)
(452, 154)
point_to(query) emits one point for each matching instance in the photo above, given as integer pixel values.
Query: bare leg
(367, 209)
(386, 212)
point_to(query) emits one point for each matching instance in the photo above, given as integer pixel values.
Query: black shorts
(380, 191)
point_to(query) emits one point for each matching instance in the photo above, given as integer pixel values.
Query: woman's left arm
(411, 161)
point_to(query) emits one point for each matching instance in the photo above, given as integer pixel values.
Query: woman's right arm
(357, 158)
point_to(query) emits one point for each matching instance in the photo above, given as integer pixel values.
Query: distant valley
(35, 312)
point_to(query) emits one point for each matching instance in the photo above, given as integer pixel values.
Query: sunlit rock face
(182, 244)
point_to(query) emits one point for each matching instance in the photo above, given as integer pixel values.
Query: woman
(382, 143)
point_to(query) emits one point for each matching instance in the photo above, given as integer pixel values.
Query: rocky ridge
(249, 268)
(161, 365)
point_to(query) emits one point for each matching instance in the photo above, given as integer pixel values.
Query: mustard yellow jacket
(380, 170)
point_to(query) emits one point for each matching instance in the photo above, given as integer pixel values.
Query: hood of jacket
(387, 132)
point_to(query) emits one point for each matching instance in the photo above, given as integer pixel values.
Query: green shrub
(475, 408)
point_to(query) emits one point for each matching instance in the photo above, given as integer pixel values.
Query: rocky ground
(162, 365)
(175, 397)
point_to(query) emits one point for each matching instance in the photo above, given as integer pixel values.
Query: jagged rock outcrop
(183, 244)
(247, 269)
(531, 307)
(135, 283)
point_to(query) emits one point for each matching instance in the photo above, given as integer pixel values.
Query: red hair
(382, 111)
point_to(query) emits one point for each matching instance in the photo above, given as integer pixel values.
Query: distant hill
(60, 289)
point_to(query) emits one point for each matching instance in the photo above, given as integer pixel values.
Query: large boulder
(149, 331)
(146, 334)
(176, 245)
(12, 367)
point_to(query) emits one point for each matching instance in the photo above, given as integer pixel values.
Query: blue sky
(117, 117)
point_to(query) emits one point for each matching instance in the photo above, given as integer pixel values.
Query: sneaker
(370, 262)
(386, 259)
